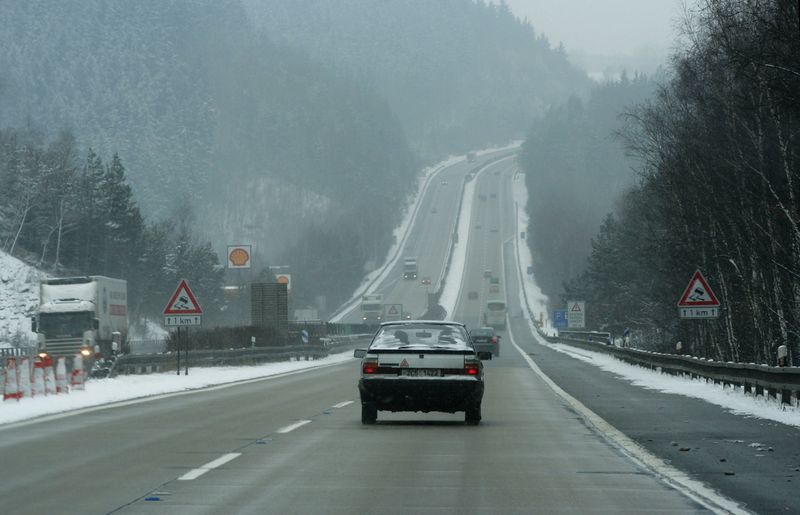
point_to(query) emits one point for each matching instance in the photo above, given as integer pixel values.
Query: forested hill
(458, 73)
(264, 142)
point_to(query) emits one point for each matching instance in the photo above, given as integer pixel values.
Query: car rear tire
(369, 414)
(472, 415)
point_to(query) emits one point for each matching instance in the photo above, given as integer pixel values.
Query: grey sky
(619, 28)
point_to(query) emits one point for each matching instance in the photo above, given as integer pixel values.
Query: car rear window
(482, 332)
(420, 334)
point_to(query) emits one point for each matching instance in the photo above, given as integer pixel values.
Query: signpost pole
(178, 349)
(186, 337)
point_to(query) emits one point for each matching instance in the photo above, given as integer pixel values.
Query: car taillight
(369, 366)
(472, 367)
(494, 339)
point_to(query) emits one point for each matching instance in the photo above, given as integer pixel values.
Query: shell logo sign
(239, 256)
(284, 279)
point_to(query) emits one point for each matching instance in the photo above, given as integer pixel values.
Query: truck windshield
(371, 307)
(65, 325)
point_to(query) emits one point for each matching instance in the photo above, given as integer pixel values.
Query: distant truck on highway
(82, 314)
(372, 308)
(410, 268)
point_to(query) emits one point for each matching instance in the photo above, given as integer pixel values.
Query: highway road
(295, 444)
(428, 240)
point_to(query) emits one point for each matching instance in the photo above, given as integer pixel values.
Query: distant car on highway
(473, 295)
(482, 196)
(487, 273)
(420, 365)
(485, 339)
(494, 288)
(494, 314)
(426, 280)
(444, 182)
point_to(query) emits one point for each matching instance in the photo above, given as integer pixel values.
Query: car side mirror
(485, 356)
(359, 353)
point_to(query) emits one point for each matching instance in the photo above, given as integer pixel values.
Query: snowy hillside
(19, 294)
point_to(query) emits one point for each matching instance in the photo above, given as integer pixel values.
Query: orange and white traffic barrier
(61, 375)
(49, 378)
(11, 385)
(24, 377)
(76, 379)
(37, 385)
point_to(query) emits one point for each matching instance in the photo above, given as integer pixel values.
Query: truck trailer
(82, 314)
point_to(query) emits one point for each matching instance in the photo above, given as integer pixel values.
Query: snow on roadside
(458, 261)
(732, 399)
(536, 300)
(126, 388)
(19, 295)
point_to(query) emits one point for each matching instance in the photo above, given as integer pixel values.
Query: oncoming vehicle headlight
(86, 352)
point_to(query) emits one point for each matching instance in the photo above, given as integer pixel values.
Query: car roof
(431, 322)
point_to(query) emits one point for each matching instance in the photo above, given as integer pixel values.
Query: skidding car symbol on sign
(698, 299)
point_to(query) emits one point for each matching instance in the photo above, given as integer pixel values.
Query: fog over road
(295, 443)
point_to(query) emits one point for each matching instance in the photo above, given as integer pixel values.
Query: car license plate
(421, 372)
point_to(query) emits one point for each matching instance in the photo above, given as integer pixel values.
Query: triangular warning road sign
(183, 302)
(393, 310)
(576, 307)
(404, 363)
(698, 293)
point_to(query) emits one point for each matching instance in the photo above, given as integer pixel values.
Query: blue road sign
(560, 319)
(304, 336)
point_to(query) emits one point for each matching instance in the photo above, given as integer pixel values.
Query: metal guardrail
(153, 363)
(780, 383)
(12, 352)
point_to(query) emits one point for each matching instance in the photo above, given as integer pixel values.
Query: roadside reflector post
(783, 353)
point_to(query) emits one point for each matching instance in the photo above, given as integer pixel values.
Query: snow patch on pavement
(125, 388)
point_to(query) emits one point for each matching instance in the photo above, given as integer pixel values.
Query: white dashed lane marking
(211, 465)
(342, 404)
(292, 427)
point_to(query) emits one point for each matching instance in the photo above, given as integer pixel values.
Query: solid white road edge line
(130, 402)
(292, 427)
(211, 465)
(342, 404)
(692, 488)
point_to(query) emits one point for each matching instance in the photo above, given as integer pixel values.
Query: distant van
(495, 314)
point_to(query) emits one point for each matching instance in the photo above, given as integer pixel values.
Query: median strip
(211, 465)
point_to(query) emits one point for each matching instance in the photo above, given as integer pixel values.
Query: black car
(484, 339)
(420, 365)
